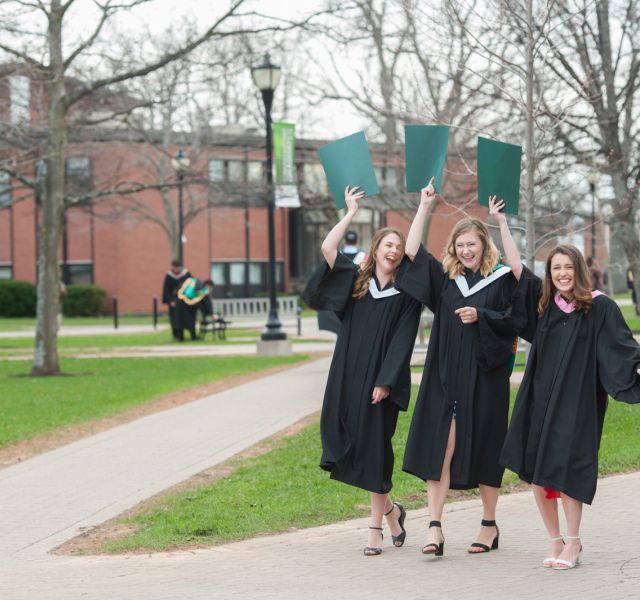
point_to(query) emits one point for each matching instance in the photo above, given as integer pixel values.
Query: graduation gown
(466, 365)
(576, 359)
(172, 283)
(373, 348)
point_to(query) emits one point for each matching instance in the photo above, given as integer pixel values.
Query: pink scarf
(569, 307)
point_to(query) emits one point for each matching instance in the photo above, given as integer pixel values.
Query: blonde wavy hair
(368, 266)
(490, 255)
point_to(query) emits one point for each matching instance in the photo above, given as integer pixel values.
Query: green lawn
(98, 388)
(285, 488)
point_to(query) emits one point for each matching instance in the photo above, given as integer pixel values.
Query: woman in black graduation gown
(582, 350)
(369, 380)
(461, 414)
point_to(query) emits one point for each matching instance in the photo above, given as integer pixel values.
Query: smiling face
(389, 253)
(469, 249)
(563, 274)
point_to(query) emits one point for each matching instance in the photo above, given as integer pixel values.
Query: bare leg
(486, 536)
(573, 515)
(437, 490)
(549, 512)
(378, 504)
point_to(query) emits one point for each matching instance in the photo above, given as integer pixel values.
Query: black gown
(172, 283)
(466, 365)
(576, 359)
(373, 348)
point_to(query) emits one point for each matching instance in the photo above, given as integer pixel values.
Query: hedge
(84, 301)
(17, 298)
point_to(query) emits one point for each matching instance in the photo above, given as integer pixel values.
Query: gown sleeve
(395, 366)
(423, 279)
(334, 288)
(167, 290)
(522, 313)
(618, 356)
(494, 335)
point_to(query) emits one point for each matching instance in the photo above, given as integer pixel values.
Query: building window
(5, 188)
(79, 272)
(6, 271)
(314, 179)
(20, 92)
(235, 170)
(379, 175)
(78, 170)
(254, 171)
(216, 170)
(231, 281)
(391, 176)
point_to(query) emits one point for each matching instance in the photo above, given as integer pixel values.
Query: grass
(285, 488)
(32, 407)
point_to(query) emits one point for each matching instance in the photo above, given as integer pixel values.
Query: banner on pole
(284, 149)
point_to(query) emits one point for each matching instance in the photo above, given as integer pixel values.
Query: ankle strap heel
(435, 524)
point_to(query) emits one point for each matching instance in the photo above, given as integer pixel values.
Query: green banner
(284, 149)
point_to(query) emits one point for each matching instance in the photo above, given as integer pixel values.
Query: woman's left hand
(380, 392)
(468, 314)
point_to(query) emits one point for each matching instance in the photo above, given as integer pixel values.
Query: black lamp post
(180, 163)
(266, 77)
(593, 179)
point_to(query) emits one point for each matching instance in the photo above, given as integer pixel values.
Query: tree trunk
(530, 145)
(45, 355)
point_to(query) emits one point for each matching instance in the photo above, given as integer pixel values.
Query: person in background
(173, 281)
(597, 277)
(193, 295)
(351, 248)
(630, 285)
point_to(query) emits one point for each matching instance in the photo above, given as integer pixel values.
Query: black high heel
(403, 514)
(433, 548)
(374, 551)
(484, 547)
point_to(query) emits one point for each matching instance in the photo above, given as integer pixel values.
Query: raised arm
(414, 239)
(510, 248)
(330, 245)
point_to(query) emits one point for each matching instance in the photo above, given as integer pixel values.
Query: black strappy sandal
(373, 551)
(433, 548)
(403, 514)
(484, 547)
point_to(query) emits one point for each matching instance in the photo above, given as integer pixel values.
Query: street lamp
(180, 163)
(266, 77)
(593, 179)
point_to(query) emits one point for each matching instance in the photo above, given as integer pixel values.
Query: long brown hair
(490, 254)
(368, 266)
(581, 280)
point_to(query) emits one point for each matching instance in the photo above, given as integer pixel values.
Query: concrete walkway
(47, 499)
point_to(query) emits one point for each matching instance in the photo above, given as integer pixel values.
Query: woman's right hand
(351, 198)
(495, 208)
(428, 193)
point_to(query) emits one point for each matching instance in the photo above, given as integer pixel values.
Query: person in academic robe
(461, 413)
(582, 350)
(192, 296)
(173, 281)
(369, 380)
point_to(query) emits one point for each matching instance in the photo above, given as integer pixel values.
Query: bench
(249, 309)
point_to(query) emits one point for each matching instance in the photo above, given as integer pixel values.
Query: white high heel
(565, 563)
(548, 562)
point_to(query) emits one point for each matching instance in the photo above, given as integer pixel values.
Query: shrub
(17, 299)
(84, 301)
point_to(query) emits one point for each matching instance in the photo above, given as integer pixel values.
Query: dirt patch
(15, 453)
(93, 539)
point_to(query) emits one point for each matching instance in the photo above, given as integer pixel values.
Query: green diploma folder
(499, 173)
(347, 161)
(425, 148)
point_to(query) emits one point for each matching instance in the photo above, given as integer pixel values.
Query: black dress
(373, 348)
(467, 365)
(576, 359)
